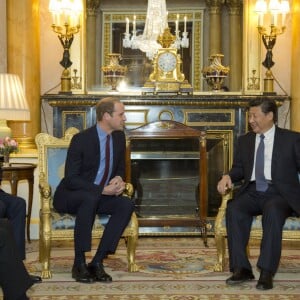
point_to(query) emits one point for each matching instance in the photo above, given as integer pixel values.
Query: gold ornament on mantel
(113, 72)
(166, 76)
(215, 73)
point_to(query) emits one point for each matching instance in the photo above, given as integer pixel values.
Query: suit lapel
(251, 152)
(276, 151)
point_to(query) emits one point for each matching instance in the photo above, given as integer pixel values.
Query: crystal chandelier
(156, 23)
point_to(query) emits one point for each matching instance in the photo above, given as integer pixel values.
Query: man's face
(117, 120)
(259, 121)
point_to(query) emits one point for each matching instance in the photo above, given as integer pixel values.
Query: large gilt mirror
(210, 25)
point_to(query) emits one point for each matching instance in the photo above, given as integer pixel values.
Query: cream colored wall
(51, 52)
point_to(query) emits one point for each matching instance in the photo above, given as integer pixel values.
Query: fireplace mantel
(202, 110)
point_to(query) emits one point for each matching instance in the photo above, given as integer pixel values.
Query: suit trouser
(14, 278)
(239, 217)
(13, 208)
(86, 206)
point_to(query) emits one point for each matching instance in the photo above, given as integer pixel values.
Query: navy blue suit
(77, 194)
(13, 208)
(14, 278)
(280, 200)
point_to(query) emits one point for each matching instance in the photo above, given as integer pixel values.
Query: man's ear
(106, 115)
(270, 115)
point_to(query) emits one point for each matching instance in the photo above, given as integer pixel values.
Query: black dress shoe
(97, 270)
(239, 276)
(265, 281)
(35, 279)
(81, 274)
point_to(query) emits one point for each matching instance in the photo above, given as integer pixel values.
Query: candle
(127, 25)
(184, 23)
(283, 19)
(176, 27)
(133, 23)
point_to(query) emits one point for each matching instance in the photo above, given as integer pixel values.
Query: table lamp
(13, 103)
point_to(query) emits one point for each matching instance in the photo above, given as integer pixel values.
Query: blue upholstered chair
(52, 153)
(291, 231)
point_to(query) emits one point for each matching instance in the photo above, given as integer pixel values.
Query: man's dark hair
(267, 105)
(106, 105)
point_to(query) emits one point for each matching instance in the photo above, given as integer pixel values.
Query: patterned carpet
(170, 268)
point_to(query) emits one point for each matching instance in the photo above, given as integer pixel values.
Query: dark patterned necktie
(107, 160)
(261, 182)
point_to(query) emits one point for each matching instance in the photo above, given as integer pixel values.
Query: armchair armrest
(128, 192)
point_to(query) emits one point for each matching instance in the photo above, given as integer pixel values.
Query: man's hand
(224, 184)
(116, 186)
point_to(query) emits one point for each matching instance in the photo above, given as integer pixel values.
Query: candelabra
(156, 23)
(66, 23)
(277, 13)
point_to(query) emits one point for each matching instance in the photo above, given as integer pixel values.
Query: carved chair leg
(220, 244)
(131, 243)
(45, 248)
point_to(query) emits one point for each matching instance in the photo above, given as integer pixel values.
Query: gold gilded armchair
(291, 231)
(54, 226)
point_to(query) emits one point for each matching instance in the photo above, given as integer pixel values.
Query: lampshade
(13, 104)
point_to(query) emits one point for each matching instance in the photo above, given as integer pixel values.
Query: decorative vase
(6, 159)
(215, 73)
(113, 72)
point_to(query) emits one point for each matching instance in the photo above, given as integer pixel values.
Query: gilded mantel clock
(167, 76)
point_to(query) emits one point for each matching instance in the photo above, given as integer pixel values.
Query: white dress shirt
(269, 141)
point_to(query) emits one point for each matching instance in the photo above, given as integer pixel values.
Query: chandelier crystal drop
(155, 25)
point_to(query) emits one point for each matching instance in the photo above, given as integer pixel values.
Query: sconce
(66, 22)
(13, 103)
(276, 11)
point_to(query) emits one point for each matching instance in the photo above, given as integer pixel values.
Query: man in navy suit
(279, 199)
(82, 191)
(13, 211)
(14, 278)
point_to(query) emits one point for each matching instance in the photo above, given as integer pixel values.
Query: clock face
(167, 61)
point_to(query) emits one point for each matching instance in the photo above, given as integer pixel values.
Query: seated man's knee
(126, 204)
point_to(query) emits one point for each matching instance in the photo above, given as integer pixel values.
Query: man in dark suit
(93, 184)
(270, 188)
(14, 278)
(13, 208)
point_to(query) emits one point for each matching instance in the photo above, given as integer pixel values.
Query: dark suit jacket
(14, 278)
(285, 164)
(84, 157)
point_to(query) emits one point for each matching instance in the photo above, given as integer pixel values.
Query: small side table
(16, 172)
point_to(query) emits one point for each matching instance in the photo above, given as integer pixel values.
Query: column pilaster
(235, 78)
(23, 57)
(215, 40)
(91, 14)
(295, 76)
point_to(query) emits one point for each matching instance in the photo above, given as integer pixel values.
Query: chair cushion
(291, 223)
(67, 221)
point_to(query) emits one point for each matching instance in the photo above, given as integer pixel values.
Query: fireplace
(167, 165)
